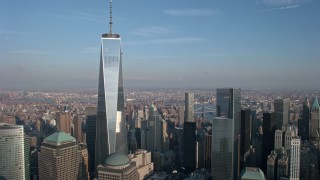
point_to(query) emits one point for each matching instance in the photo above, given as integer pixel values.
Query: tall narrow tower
(111, 133)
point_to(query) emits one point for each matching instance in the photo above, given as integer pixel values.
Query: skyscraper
(222, 149)
(189, 107)
(269, 128)
(281, 111)
(12, 156)
(246, 121)
(229, 106)
(64, 122)
(77, 128)
(111, 135)
(189, 150)
(295, 158)
(91, 118)
(304, 123)
(315, 119)
(60, 157)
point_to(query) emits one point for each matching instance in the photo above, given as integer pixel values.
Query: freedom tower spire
(110, 124)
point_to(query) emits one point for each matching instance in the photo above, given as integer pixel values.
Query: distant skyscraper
(269, 127)
(304, 123)
(281, 111)
(229, 106)
(246, 121)
(288, 135)
(271, 165)
(12, 152)
(91, 118)
(77, 128)
(295, 158)
(181, 115)
(315, 119)
(60, 157)
(64, 122)
(189, 150)
(111, 131)
(222, 149)
(278, 139)
(189, 107)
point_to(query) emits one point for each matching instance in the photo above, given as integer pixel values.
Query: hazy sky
(166, 43)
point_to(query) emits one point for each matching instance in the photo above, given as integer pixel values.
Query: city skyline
(256, 44)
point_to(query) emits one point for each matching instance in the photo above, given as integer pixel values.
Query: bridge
(203, 110)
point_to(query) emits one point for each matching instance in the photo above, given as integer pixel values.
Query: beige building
(77, 128)
(142, 158)
(60, 158)
(63, 122)
(118, 167)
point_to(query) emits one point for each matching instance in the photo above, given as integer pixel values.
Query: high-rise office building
(64, 122)
(304, 122)
(245, 134)
(269, 127)
(12, 152)
(281, 112)
(189, 107)
(77, 128)
(290, 133)
(91, 117)
(189, 150)
(271, 165)
(295, 158)
(111, 131)
(60, 157)
(278, 139)
(229, 106)
(27, 140)
(222, 149)
(283, 164)
(315, 119)
(181, 115)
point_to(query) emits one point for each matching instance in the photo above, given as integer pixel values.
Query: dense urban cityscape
(118, 132)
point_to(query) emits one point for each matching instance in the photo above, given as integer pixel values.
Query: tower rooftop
(108, 35)
(59, 138)
(117, 159)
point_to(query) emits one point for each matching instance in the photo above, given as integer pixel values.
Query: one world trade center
(110, 124)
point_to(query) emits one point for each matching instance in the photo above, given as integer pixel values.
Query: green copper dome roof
(315, 104)
(59, 137)
(117, 159)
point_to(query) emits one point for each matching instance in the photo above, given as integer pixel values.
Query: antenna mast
(110, 23)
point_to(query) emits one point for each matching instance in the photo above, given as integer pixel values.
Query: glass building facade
(12, 157)
(222, 148)
(111, 135)
(189, 107)
(229, 106)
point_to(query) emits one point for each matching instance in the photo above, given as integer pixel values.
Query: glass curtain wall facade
(229, 106)
(222, 148)
(189, 107)
(111, 135)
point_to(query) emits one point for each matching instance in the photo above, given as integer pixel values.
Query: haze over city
(188, 44)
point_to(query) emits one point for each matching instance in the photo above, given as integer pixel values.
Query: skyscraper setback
(111, 135)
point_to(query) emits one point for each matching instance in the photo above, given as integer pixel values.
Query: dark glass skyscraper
(229, 107)
(304, 123)
(111, 135)
(281, 112)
